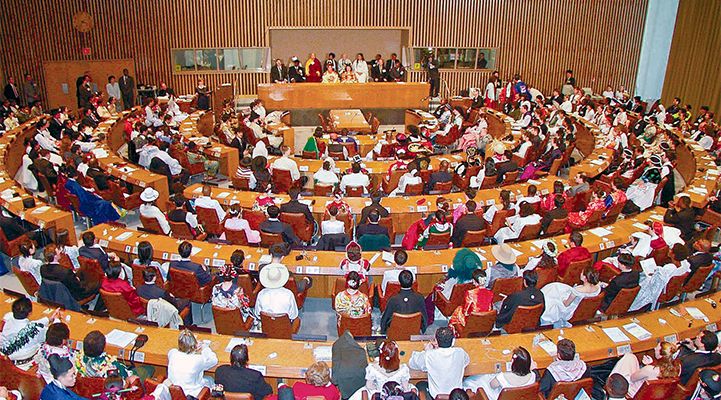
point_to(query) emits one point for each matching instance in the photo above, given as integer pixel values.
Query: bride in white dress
(24, 176)
(562, 300)
(521, 375)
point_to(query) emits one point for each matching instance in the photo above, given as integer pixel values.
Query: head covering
(274, 275)
(259, 163)
(464, 263)
(497, 147)
(59, 365)
(311, 145)
(149, 195)
(294, 59)
(656, 160)
(400, 137)
(227, 272)
(547, 249)
(504, 254)
(628, 153)
(246, 161)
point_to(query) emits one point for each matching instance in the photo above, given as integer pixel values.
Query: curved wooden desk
(295, 356)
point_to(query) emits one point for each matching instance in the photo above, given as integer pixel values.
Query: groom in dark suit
(405, 302)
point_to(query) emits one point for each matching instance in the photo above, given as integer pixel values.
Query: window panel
(228, 59)
(466, 58)
(420, 56)
(486, 59)
(447, 58)
(206, 60)
(184, 60)
(252, 59)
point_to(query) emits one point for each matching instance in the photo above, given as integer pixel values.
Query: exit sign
(86, 51)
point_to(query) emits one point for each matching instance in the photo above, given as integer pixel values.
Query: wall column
(655, 48)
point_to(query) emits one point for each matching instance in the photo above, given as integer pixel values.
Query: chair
(509, 178)
(593, 220)
(75, 204)
(458, 296)
(12, 248)
(478, 323)
(439, 240)
(499, 221)
(266, 239)
(184, 285)
(573, 272)
(310, 155)
(555, 228)
(324, 124)
(390, 184)
(613, 212)
(323, 190)
(176, 392)
(282, 179)
(336, 155)
(375, 123)
(350, 149)
(339, 286)
(693, 381)
(587, 308)
(301, 227)
(48, 188)
(138, 276)
(354, 191)
(278, 326)
(28, 281)
(238, 396)
(374, 242)
(502, 287)
(404, 325)
(208, 217)
(570, 389)
(28, 383)
(91, 271)
(659, 389)
(86, 387)
(392, 289)
(388, 223)
(519, 393)
(254, 218)
(151, 225)
(118, 307)
(546, 276)
(357, 326)
(180, 230)
(528, 232)
(240, 183)
(697, 279)
(237, 237)
(672, 289)
(414, 190)
(622, 302)
(474, 238)
(524, 317)
(122, 199)
(443, 187)
(555, 166)
(229, 320)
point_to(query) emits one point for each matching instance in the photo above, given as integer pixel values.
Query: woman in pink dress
(473, 133)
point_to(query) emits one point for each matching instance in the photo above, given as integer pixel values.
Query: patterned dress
(352, 304)
(580, 218)
(98, 367)
(477, 300)
(234, 298)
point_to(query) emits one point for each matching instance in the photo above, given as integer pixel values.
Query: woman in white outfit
(360, 67)
(562, 300)
(24, 176)
(522, 374)
(385, 368)
(188, 362)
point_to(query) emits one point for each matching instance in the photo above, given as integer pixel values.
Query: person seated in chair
(149, 210)
(581, 184)
(274, 225)
(440, 176)
(21, 338)
(566, 368)
(180, 215)
(92, 250)
(238, 378)
(113, 284)
(274, 298)
(529, 296)
(285, 163)
(444, 363)
(392, 275)
(698, 353)
(205, 201)
(681, 215)
(332, 226)
(296, 207)
(93, 362)
(13, 227)
(467, 223)
(355, 178)
(627, 279)
(184, 264)
(372, 227)
(405, 302)
(575, 253)
(557, 213)
(52, 271)
(376, 197)
(506, 165)
(150, 290)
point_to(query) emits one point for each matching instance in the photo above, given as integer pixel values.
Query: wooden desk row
(226, 155)
(323, 265)
(293, 357)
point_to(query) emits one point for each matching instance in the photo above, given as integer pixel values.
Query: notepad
(640, 226)
(235, 342)
(223, 195)
(387, 257)
(637, 331)
(600, 232)
(40, 210)
(695, 313)
(323, 353)
(119, 338)
(649, 266)
(549, 347)
(123, 236)
(616, 334)
(265, 259)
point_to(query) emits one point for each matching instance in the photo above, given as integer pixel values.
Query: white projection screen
(301, 41)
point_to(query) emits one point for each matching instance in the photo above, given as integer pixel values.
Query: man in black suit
(52, 271)
(434, 77)
(274, 225)
(375, 205)
(441, 176)
(296, 73)
(42, 165)
(150, 291)
(557, 213)
(279, 73)
(699, 353)
(468, 222)
(55, 127)
(627, 279)
(184, 250)
(682, 216)
(379, 71)
(529, 296)
(84, 92)
(237, 378)
(507, 165)
(127, 90)
(11, 91)
(405, 302)
(93, 251)
(372, 227)
(701, 257)
(390, 64)
(296, 207)
(89, 118)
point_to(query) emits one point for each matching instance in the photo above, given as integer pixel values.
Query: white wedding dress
(25, 177)
(554, 294)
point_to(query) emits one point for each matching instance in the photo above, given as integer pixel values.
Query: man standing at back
(127, 89)
(444, 364)
(406, 302)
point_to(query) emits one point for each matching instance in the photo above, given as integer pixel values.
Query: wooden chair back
(357, 326)
(28, 383)
(181, 230)
(28, 281)
(282, 179)
(254, 218)
(404, 325)
(587, 308)
(388, 223)
(310, 155)
(474, 238)
(208, 217)
(122, 199)
(237, 396)
(570, 389)
(623, 301)
(525, 317)
(499, 221)
(118, 307)
(556, 227)
(546, 276)
(458, 297)
(138, 275)
(392, 289)
(237, 237)
(184, 285)
(698, 278)
(672, 289)
(354, 191)
(443, 187)
(439, 240)
(659, 389)
(276, 326)
(529, 232)
(240, 183)
(479, 323)
(502, 287)
(336, 155)
(375, 123)
(573, 272)
(414, 190)
(91, 271)
(266, 239)
(302, 229)
(510, 178)
(518, 393)
(229, 320)
(151, 225)
(323, 190)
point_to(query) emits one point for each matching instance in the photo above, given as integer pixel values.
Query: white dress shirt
(207, 202)
(285, 163)
(445, 368)
(13, 326)
(359, 179)
(277, 301)
(332, 227)
(46, 141)
(326, 177)
(186, 370)
(524, 148)
(151, 211)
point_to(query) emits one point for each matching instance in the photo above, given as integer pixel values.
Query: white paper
(388, 257)
(600, 232)
(637, 331)
(119, 338)
(374, 258)
(539, 243)
(195, 250)
(323, 353)
(534, 182)
(616, 334)
(40, 210)
(306, 202)
(123, 236)
(640, 226)
(695, 313)
(260, 368)
(549, 347)
(235, 342)
(199, 189)
(223, 195)
(649, 266)
(265, 259)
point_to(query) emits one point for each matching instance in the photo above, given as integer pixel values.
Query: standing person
(84, 93)
(30, 91)
(434, 77)
(127, 89)
(203, 92)
(360, 67)
(11, 91)
(444, 363)
(113, 88)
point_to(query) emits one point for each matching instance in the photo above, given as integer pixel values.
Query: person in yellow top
(348, 76)
(314, 69)
(330, 76)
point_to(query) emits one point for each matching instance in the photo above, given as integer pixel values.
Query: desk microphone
(664, 322)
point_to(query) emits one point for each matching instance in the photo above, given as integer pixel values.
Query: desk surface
(353, 120)
(295, 356)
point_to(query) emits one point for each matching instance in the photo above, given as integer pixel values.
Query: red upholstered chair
(587, 308)
(622, 302)
(28, 281)
(392, 289)
(28, 383)
(254, 218)
(90, 270)
(181, 230)
(86, 387)
(546, 276)
(229, 320)
(660, 389)
(151, 225)
(478, 323)
(184, 285)
(502, 287)
(118, 307)
(698, 278)
(339, 286)
(524, 317)
(556, 227)
(208, 217)
(672, 289)
(499, 221)
(573, 272)
(12, 248)
(176, 392)
(240, 183)
(569, 389)
(404, 325)
(283, 180)
(358, 326)
(138, 275)
(439, 240)
(458, 296)
(278, 326)
(519, 393)
(301, 227)
(237, 237)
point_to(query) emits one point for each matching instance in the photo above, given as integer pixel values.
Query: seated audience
(234, 221)
(566, 367)
(580, 185)
(287, 164)
(113, 284)
(558, 212)
(372, 227)
(354, 261)
(150, 210)
(245, 171)
(53, 271)
(477, 300)
(529, 296)
(62, 377)
(654, 285)
(274, 225)
(548, 203)
(698, 353)
(56, 343)
(616, 387)
(409, 178)
(392, 275)
(27, 263)
(562, 300)
(440, 176)
(405, 302)
(227, 294)
(384, 367)
(92, 250)
(325, 175)
(522, 373)
(205, 201)
(149, 290)
(575, 253)
(296, 207)
(547, 259)
(184, 264)
(355, 178)
(701, 256)
(238, 378)
(93, 362)
(317, 383)
(352, 302)
(145, 259)
(444, 364)
(516, 223)
(505, 198)
(627, 279)
(470, 222)
(98, 210)
(275, 298)
(681, 215)
(21, 338)
(440, 225)
(375, 205)
(180, 215)
(332, 226)
(62, 241)
(505, 266)
(663, 365)
(187, 364)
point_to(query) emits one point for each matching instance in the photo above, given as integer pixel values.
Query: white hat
(504, 254)
(274, 275)
(149, 195)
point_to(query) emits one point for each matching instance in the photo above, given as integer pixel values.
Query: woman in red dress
(580, 218)
(477, 300)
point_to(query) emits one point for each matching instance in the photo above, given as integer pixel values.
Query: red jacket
(573, 254)
(128, 292)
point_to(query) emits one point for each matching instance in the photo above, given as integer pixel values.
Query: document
(637, 331)
(616, 334)
(119, 338)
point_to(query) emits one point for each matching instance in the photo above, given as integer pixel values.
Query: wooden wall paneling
(599, 39)
(693, 73)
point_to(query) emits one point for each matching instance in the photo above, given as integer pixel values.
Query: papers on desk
(223, 195)
(277, 200)
(260, 368)
(265, 259)
(549, 347)
(480, 256)
(695, 313)
(516, 252)
(306, 202)
(539, 243)
(637, 331)
(119, 338)
(126, 170)
(199, 189)
(40, 210)
(534, 182)
(656, 217)
(195, 251)
(616, 334)
(100, 152)
(649, 266)
(640, 226)
(235, 342)
(323, 353)
(600, 232)
(374, 258)
(387, 256)
(698, 190)
(123, 236)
